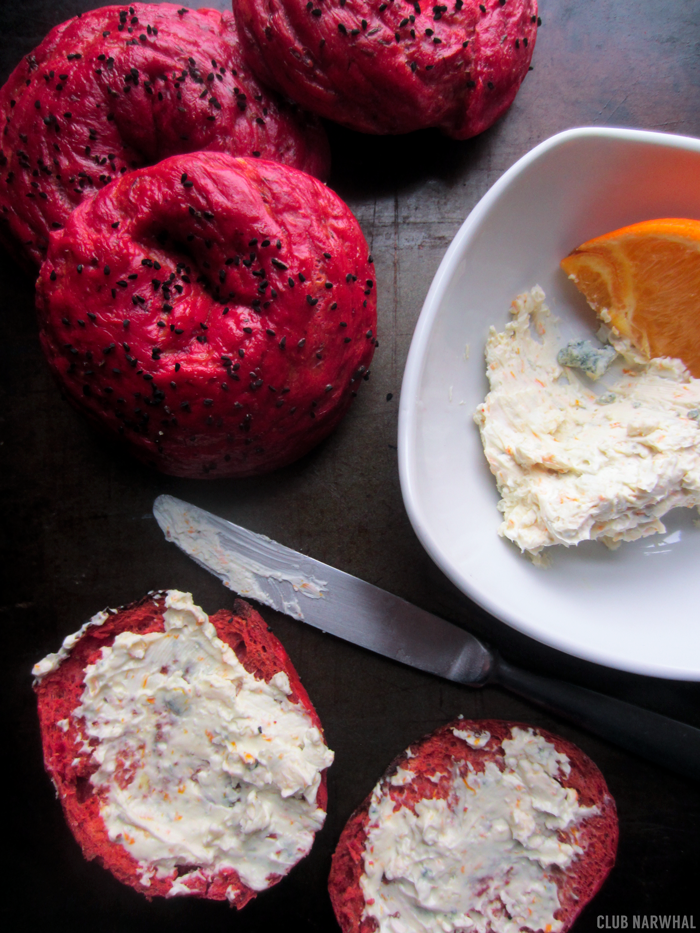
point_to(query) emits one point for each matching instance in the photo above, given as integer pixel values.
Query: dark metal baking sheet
(78, 533)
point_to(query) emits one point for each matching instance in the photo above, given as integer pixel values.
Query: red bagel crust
(125, 86)
(440, 752)
(217, 313)
(393, 66)
(70, 767)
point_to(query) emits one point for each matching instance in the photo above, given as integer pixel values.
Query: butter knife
(258, 568)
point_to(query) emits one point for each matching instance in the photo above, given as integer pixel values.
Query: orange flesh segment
(647, 278)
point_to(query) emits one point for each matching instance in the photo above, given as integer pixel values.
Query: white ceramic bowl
(636, 608)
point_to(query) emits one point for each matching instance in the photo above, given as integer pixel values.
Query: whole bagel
(216, 313)
(393, 66)
(122, 87)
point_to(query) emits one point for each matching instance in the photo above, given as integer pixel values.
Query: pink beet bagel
(218, 314)
(426, 772)
(69, 763)
(393, 66)
(122, 87)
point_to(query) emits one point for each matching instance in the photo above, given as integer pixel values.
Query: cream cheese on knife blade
(238, 572)
(572, 464)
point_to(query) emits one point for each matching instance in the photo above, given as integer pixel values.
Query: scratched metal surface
(78, 533)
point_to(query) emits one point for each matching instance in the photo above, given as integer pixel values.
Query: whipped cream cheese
(52, 661)
(201, 763)
(478, 859)
(572, 464)
(475, 739)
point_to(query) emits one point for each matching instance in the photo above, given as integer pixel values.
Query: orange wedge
(645, 281)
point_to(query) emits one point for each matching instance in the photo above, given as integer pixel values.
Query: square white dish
(636, 608)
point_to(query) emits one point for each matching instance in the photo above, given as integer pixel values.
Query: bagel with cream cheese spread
(187, 756)
(483, 825)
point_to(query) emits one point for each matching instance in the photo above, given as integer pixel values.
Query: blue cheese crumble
(581, 354)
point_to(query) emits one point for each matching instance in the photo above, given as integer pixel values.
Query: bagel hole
(180, 251)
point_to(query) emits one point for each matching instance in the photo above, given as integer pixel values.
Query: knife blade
(329, 599)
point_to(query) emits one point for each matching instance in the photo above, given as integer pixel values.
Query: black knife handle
(657, 738)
